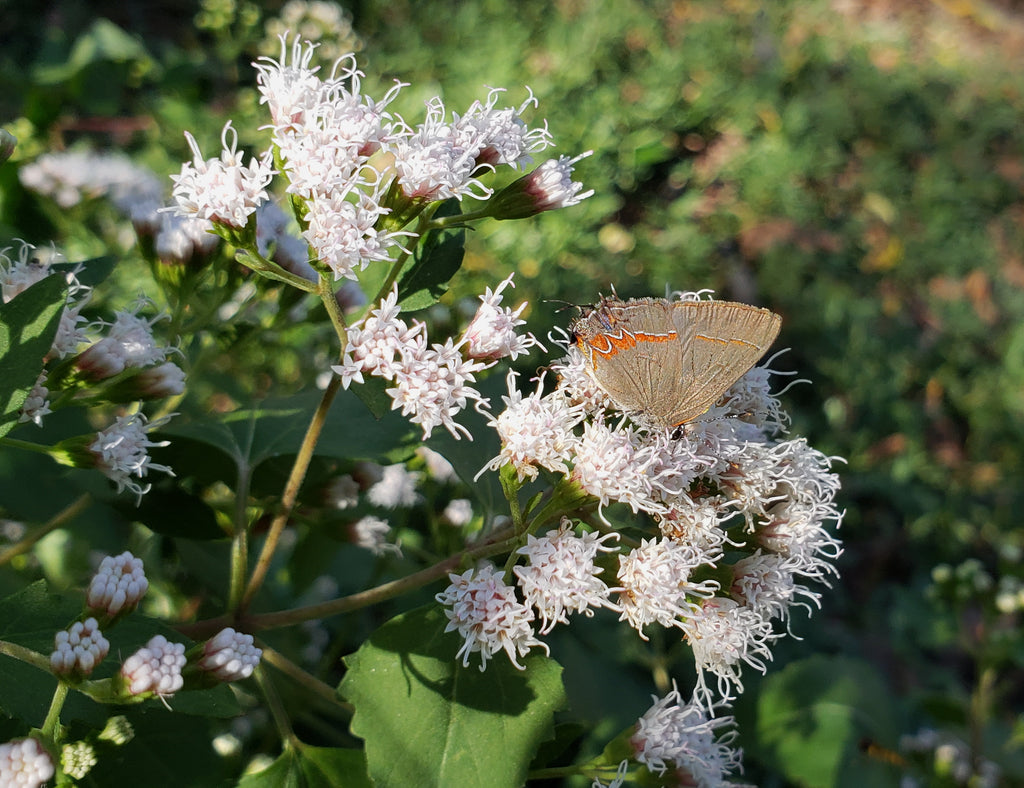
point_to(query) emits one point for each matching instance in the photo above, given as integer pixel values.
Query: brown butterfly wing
(644, 364)
(719, 342)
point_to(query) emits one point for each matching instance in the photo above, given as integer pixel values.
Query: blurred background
(854, 165)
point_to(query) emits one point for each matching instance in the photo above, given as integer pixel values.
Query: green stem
(326, 292)
(302, 677)
(455, 221)
(70, 512)
(240, 539)
(14, 443)
(52, 721)
(27, 655)
(277, 709)
(290, 494)
(422, 226)
(500, 542)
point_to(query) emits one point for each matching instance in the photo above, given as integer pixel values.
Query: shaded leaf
(28, 324)
(437, 259)
(813, 716)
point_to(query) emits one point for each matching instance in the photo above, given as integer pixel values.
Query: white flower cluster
(732, 500)
(129, 344)
(682, 736)
(359, 171)
(120, 451)
(222, 190)
(230, 655)
(485, 612)
(392, 487)
(71, 177)
(431, 384)
(32, 266)
(78, 649)
(118, 585)
(24, 762)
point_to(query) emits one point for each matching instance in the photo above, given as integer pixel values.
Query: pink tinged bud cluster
(492, 332)
(560, 576)
(484, 610)
(156, 668)
(129, 343)
(551, 185)
(230, 655)
(78, 649)
(221, 190)
(118, 585)
(160, 381)
(121, 452)
(535, 431)
(655, 585)
(431, 385)
(24, 763)
(681, 736)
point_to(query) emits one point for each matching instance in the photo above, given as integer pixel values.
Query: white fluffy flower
(396, 488)
(221, 190)
(535, 430)
(371, 533)
(492, 332)
(723, 635)
(561, 576)
(458, 512)
(655, 583)
(614, 464)
(121, 452)
(682, 736)
(485, 612)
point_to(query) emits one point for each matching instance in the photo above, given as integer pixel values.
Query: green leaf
(28, 324)
(312, 767)
(168, 749)
(88, 272)
(373, 393)
(428, 721)
(813, 716)
(246, 438)
(435, 262)
(171, 511)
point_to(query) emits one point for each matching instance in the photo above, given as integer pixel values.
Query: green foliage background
(856, 170)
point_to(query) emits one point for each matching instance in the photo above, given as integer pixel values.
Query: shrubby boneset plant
(361, 212)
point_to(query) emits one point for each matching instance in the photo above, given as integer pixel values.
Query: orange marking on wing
(614, 343)
(720, 341)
